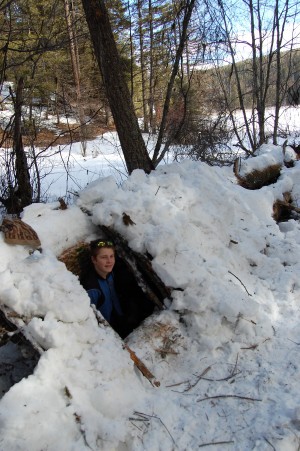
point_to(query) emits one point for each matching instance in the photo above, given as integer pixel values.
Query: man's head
(103, 256)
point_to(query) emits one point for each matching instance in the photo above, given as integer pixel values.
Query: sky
(239, 27)
(226, 347)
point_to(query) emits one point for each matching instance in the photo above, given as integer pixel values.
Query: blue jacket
(119, 298)
(105, 297)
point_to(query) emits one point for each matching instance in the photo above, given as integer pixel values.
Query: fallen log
(19, 356)
(11, 330)
(7, 329)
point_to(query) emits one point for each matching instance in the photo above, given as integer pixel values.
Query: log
(7, 328)
(282, 210)
(23, 355)
(10, 330)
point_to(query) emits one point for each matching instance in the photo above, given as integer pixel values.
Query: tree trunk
(132, 143)
(152, 116)
(69, 12)
(24, 191)
(188, 9)
(143, 68)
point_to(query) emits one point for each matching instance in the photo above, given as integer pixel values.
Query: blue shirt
(108, 292)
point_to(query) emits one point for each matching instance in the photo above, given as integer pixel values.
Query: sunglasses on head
(104, 243)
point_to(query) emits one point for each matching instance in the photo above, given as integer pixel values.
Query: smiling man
(104, 258)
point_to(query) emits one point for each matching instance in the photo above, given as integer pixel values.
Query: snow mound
(226, 349)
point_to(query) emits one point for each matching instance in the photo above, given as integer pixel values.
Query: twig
(216, 443)
(233, 372)
(136, 426)
(198, 379)
(240, 282)
(295, 342)
(223, 378)
(166, 351)
(229, 396)
(145, 416)
(245, 319)
(142, 367)
(269, 443)
(189, 382)
(178, 383)
(255, 345)
(78, 420)
(251, 347)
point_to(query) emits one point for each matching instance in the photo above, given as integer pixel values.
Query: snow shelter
(135, 268)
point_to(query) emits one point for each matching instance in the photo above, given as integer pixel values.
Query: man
(113, 289)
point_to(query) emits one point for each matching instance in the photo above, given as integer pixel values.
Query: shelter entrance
(142, 291)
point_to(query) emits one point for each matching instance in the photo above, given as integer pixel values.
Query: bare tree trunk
(251, 138)
(270, 76)
(255, 72)
(188, 8)
(23, 192)
(56, 102)
(279, 36)
(143, 69)
(152, 121)
(132, 143)
(131, 52)
(76, 72)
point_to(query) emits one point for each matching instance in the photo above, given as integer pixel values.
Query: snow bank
(225, 349)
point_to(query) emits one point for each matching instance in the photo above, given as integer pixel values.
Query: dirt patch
(66, 134)
(61, 134)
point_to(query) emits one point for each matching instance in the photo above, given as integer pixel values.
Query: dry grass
(258, 178)
(62, 134)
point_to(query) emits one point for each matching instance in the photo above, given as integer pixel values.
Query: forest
(185, 71)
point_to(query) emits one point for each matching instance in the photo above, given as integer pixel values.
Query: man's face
(104, 261)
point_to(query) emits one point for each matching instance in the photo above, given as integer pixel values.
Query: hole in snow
(139, 290)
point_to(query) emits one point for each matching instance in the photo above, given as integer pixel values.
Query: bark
(22, 172)
(132, 143)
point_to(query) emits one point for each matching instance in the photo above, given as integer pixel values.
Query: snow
(225, 350)
(266, 156)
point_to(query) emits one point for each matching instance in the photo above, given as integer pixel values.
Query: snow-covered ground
(225, 350)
